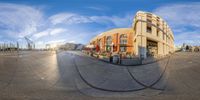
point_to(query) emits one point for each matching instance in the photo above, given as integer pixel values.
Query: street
(72, 75)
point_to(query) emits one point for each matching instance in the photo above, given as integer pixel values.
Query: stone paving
(45, 75)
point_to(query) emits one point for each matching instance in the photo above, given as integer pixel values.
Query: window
(158, 18)
(123, 42)
(158, 32)
(149, 20)
(100, 43)
(163, 36)
(108, 48)
(149, 29)
(109, 40)
(123, 39)
(167, 39)
(108, 43)
(158, 24)
(149, 15)
(122, 48)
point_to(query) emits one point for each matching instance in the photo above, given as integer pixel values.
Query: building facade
(149, 36)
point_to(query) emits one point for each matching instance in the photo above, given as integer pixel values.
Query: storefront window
(123, 49)
(108, 48)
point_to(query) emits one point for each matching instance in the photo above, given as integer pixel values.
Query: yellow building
(149, 36)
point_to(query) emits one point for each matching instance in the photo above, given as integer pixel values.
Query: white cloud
(192, 38)
(72, 18)
(19, 20)
(56, 41)
(49, 32)
(96, 8)
(39, 43)
(188, 35)
(57, 31)
(72, 41)
(41, 34)
(180, 14)
(68, 18)
(124, 21)
(184, 20)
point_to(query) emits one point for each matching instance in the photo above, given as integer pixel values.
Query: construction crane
(30, 44)
(48, 46)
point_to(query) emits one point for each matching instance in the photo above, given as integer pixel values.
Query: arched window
(123, 42)
(100, 43)
(108, 43)
(109, 40)
(123, 39)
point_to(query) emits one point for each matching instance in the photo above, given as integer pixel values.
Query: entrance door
(152, 48)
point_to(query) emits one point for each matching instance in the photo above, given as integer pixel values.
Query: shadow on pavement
(113, 78)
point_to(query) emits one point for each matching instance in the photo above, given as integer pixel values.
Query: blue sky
(58, 21)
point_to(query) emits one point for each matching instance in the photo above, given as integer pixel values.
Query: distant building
(187, 47)
(9, 47)
(149, 36)
(80, 47)
(71, 46)
(196, 48)
(178, 48)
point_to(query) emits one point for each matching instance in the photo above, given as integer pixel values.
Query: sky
(78, 21)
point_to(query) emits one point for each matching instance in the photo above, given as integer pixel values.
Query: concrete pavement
(50, 76)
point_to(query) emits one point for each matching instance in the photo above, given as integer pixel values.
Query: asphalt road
(46, 75)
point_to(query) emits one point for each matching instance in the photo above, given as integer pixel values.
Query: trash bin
(115, 59)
